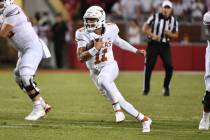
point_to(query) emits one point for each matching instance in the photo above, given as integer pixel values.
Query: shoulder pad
(11, 10)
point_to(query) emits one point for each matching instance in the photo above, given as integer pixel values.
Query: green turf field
(81, 113)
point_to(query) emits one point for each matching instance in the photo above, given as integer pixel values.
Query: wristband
(93, 51)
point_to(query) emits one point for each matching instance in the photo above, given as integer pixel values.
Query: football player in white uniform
(204, 123)
(94, 46)
(31, 50)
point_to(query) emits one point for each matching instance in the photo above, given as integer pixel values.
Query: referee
(160, 28)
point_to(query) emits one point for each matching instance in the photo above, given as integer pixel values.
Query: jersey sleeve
(176, 26)
(80, 39)
(150, 20)
(116, 29)
(12, 15)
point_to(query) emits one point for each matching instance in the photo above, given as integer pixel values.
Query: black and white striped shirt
(159, 24)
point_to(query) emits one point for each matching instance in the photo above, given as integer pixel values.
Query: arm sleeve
(124, 45)
(150, 20)
(176, 26)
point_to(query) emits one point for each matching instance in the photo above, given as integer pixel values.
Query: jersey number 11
(103, 58)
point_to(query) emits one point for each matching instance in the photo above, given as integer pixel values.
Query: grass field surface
(81, 113)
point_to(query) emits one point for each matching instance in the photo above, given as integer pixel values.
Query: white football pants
(104, 81)
(207, 68)
(29, 58)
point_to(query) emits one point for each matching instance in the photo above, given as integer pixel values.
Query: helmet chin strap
(91, 29)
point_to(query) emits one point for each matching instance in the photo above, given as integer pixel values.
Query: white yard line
(76, 125)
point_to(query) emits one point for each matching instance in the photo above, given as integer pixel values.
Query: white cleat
(146, 125)
(36, 114)
(204, 124)
(120, 117)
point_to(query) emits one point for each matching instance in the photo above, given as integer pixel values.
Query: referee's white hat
(206, 18)
(167, 3)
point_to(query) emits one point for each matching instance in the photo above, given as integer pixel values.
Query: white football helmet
(5, 3)
(206, 18)
(94, 18)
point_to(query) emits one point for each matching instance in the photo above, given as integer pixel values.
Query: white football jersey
(105, 55)
(22, 33)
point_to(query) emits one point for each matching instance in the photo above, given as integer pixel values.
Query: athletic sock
(206, 115)
(140, 117)
(38, 104)
(116, 107)
(116, 96)
(43, 103)
(125, 105)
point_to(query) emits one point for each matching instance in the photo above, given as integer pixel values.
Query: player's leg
(93, 76)
(165, 55)
(24, 71)
(106, 76)
(20, 80)
(119, 115)
(131, 110)
(151, 58)
(106, 79)
(204, 123)
(129, 107)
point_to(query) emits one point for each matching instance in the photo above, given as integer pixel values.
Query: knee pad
(30, 86)
(206, 101)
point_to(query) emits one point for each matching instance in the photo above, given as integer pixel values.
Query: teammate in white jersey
(94, 42)
(204, 123)
(31, 50)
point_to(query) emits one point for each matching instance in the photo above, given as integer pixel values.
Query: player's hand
(168, 33)
(98, 43)
(141, 52)
(155, 37)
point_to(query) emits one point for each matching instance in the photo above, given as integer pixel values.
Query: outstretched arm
(126, 46)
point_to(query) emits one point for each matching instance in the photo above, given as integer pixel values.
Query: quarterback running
(31, 50)
(94, 46)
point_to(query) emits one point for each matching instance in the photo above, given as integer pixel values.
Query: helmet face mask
(91, 24)
(94, 18)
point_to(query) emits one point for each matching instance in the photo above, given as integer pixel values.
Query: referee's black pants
(153, 50)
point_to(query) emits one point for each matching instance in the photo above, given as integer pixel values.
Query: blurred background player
(204, 123)
(31, 50)
(100, 60)
(59, 30)
(160, 28)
